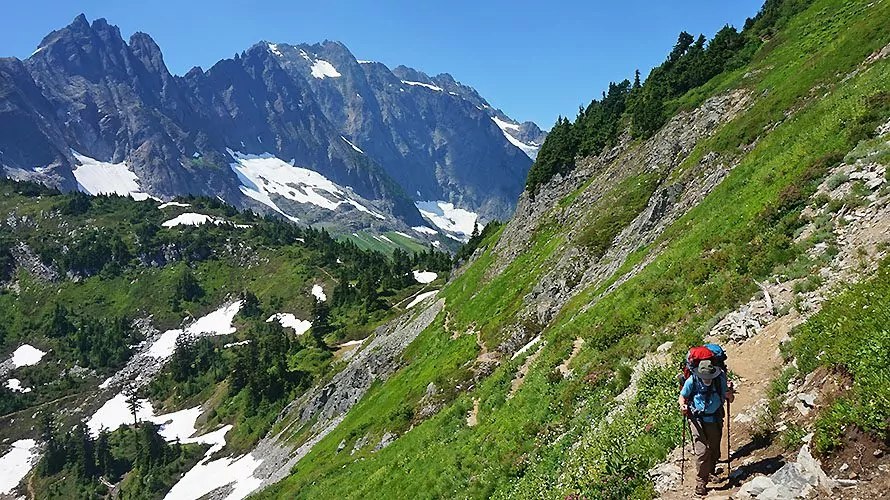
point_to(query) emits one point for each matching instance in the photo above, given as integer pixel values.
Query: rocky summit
(303, 131)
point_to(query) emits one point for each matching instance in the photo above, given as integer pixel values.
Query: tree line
(643, 107)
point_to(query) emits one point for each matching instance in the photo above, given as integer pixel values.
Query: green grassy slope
(116, 262)
(801, 122)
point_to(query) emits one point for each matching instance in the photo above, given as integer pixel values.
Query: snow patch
(16, 463)
(421, 84)
(98, 177)
(288, 320)
(420, 298)
(26, 355)
(529, 150)
(273, 48)
(15, 385)
(364, 62)
(449, 218)
(236, 344)
(322, 69)
(174, 204)
(115, 413)
(195, 219)
(353, 145)
(505, 125)
(219, 322)
(425, 230)
(383, 237)
(351, 343)
(318, 292)
(263, 175)
(424, 276)
(403, 234)
(208, 475)
(526, 347)
(190, 219)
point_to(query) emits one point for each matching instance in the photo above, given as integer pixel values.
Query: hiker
(701, 401)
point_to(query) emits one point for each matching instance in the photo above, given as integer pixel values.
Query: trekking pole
(728, 441)
(683, 450)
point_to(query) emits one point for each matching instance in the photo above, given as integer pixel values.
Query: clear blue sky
(533, 59)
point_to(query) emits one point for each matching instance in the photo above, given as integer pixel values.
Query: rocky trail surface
(752, 335)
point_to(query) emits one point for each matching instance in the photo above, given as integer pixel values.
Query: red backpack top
(694, 357)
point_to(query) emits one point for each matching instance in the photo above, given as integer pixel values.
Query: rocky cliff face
(384, 138)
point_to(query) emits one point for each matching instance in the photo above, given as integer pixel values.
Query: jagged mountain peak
(383, 133)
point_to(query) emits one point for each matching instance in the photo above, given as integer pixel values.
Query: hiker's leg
(700, 445)
(713, 434)
(715, 439)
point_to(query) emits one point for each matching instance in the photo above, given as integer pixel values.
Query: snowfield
(219, 322)
(446, 216)
(529, 150)
(173, 204)
(206, 475)
(424, 276)
(353, 145)
(15, 385)
(274, 49)
(26, 355)
(190, 219)
(114, 413)
(98, 177)
(505, 125)
(195, 219)
(421, 84)
(16, 464)
(420, 298)
(288, 320)
(526, 347)
(322, 69)
(425, 230)
(318, 292)
(264, 175)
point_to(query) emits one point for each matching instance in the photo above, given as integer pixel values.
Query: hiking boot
(701, 490)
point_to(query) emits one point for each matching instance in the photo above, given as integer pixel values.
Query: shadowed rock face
(86, 89)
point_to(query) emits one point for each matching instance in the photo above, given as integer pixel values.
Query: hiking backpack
(696, 355)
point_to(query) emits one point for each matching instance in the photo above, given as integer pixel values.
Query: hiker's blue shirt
(706, 401)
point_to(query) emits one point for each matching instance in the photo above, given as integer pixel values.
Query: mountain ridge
(114, 100)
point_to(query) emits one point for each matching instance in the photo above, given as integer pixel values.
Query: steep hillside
(346, 145)
(511, 391)
(744, 202)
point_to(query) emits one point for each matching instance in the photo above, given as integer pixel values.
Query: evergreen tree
(133, 403)
(104, 459)
(250, 307)
(57, 323)
(321, 323)
(186, 287)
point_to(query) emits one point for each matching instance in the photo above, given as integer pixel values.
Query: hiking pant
(706, 443)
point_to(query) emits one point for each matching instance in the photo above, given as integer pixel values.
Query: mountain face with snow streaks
(385, 138)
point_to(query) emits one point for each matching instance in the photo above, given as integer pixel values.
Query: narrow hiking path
(754, 364)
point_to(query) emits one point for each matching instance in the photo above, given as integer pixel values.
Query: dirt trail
(576, 348)
(473, 415)
(754, 364)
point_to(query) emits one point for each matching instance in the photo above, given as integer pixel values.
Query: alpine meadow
(301, 275)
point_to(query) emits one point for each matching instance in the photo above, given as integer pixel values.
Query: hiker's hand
(684, 408)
